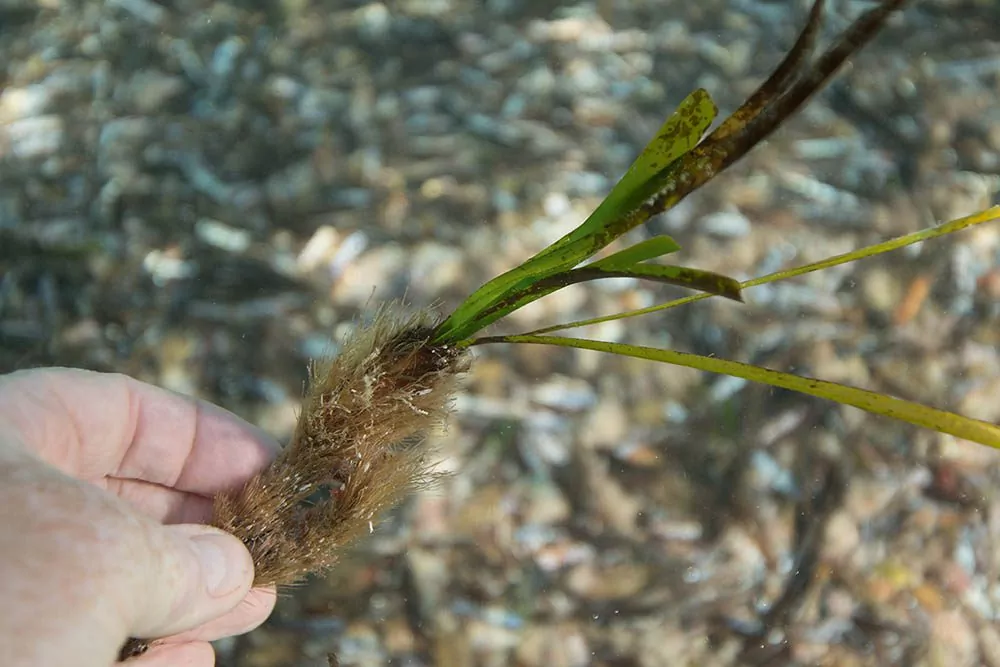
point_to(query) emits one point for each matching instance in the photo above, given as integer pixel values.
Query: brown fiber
(358, 448)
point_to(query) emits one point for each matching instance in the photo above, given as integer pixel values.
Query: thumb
(195, 574)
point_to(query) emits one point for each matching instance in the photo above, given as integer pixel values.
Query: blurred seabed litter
(205, 195)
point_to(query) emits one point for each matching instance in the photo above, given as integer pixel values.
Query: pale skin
(105, 483)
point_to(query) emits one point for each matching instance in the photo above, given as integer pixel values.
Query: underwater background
(205, 195)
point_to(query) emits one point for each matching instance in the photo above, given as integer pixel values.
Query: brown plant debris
(356, 451)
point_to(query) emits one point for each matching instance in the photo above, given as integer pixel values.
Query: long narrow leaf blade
(658, 246)
(679, 276)
(650, 187)
(471, 315)
(870, 401)
(991, 214)
(679, 134)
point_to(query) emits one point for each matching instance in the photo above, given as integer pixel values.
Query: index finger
(94, 425)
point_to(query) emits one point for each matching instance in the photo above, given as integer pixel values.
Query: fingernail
(220, 563)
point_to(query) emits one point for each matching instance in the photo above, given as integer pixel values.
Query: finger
(95, 424)
(190, 575)
(159, 502)
(92, 571)
(190, 654)
(248, 615)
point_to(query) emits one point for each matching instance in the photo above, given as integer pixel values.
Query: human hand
(103, 482)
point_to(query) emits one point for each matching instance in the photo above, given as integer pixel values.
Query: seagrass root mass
(356, 451)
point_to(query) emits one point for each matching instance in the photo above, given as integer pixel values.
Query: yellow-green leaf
(658, 246)
(678, 135)
(870, 401)
(679, 276)
(989, 215)
(651, 170)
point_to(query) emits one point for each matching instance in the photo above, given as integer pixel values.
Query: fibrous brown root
(357, 449)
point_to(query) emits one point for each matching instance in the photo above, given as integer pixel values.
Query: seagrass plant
(358, 446)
